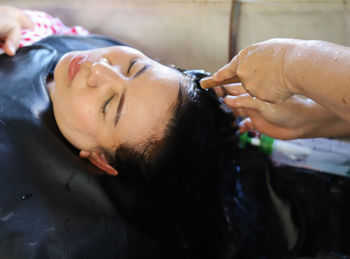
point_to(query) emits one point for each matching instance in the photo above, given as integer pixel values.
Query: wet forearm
(321, 71)
(330, 126)
(314, 120)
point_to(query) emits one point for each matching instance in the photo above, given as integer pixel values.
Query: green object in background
(244, 140)
(265, 143)
(325, 155)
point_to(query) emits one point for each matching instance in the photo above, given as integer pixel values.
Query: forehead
(150, 105)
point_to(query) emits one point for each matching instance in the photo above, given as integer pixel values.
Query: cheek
(84, 117)
(75, 111)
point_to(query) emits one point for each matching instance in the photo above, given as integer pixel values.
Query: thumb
(228, 71)
(12, 41)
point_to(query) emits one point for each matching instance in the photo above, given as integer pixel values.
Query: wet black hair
(184, 170)
(196, 191)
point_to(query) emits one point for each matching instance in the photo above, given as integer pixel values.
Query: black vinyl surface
(51, 203)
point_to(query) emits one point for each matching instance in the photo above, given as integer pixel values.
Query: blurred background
(203, 34)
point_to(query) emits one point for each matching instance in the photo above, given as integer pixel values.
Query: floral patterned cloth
(45, 25)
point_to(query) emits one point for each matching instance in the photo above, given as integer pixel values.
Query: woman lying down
(126, 112)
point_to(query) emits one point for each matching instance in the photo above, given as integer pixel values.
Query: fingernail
(234, 91)
(229, 99)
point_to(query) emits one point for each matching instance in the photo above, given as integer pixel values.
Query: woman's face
(112, 96)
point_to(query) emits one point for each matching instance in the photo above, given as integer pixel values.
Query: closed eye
(104, 106)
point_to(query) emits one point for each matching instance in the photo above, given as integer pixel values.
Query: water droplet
(27, 196)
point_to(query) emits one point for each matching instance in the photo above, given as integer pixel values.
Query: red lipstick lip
(75, 64)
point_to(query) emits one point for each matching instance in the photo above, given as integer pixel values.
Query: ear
(99, 160)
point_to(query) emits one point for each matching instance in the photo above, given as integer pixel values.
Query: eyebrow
(119, 109)
(122, 98)
(131, 64)
(106, 104)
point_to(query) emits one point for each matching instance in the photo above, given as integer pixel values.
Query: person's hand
(275, 120)
(297, 117)
(12, 20)
(261, 69)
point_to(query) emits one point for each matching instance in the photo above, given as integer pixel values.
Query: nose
(104, 74)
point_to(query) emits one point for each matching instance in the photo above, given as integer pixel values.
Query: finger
(209, 82)
(221, 91)
(270, 129)
(12, 41)
(243, 101)
(230, 89)
(228, 71)
(240, 112)
(246, 125)
(234, 89)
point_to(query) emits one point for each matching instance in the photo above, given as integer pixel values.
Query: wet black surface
(51, 206)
